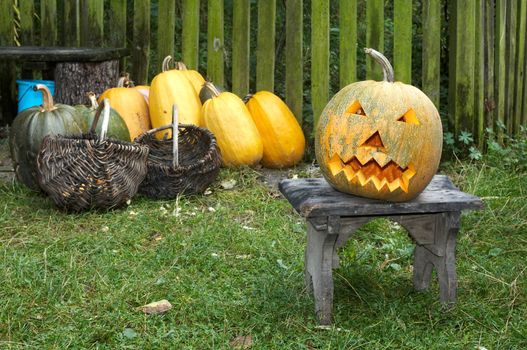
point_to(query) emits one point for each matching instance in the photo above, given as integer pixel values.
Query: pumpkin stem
(125, 81)
(181, 66)
(247, 98)
(387, 68)
(46, 97)
(210, 86)
(166, 63)
(93, 100)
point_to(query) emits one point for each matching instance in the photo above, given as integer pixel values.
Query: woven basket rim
(213, 147)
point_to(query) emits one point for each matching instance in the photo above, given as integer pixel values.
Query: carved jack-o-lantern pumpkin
(379, 139)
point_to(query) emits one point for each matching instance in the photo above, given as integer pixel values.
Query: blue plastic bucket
(27, 97)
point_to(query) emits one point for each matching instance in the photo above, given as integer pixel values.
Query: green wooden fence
(484, 57)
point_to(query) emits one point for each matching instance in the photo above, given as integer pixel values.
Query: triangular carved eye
(356, 108)
(409, 117)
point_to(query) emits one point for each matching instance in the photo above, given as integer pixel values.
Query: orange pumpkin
(379, 139)
(131, 106)
(282, 137)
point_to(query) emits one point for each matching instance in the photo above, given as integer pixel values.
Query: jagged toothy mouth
(391, 174)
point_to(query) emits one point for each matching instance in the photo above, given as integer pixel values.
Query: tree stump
(74, 79)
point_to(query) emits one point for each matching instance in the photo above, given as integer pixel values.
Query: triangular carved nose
(374, 141)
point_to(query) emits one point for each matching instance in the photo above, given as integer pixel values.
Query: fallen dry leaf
(228, 184)
(157, 307)
(242, 342)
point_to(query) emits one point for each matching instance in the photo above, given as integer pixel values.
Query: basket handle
(105, 105)
(175, 137)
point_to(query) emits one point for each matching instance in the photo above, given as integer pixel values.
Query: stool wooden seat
(432, 220)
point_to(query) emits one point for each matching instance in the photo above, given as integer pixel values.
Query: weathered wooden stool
(432, 220)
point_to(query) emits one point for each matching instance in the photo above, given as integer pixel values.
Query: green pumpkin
(117, 128)
(31, 126)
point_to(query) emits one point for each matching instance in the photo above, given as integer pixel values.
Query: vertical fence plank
(27, 12)
(215, 43)
(265, 49)
(7, 69)
(190, 40)
(511, 64)
(91, 19)
(319, 57)
(463, 50)
(500, 61)
(294, 68)
(117, 31)
(348, 42)
(374, 36)
(432, 49)
(479, 76)
(166, 22)
(141, 41)
(71, 23)
(241, 19)
(490, 98)
(402, 40)
(520, 66)
(48, 20)
(524, 99)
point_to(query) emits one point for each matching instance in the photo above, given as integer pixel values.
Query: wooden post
(462, 55)
(374, 36)
(70, 31)
(190, 40)
(48, 20)
(510, 52)
(500, 62)
(7, 69)
(432, 49)
(402, 40)
(166, 21)
(520, 66)
(215, 43)
(479, 77)
(27, 13)
(348, 42)
(92, 23)
(265, 50)
(319, 57)
(294, 67)
(141, 39)
(489, 98)
(241, 21)
(117, 33)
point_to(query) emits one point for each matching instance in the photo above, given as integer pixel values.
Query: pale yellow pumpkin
(131, 106)
(168, 88)
(282, 137)
(228, 118)
(379, 139)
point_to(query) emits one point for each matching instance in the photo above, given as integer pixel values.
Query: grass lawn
(231, 263)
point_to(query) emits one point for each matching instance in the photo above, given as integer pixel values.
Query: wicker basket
(89, 172)
(187, 163)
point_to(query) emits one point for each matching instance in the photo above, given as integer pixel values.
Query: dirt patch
(272, 177)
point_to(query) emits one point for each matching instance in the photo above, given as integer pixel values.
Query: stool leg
(446, 264)
(422, 268)
(440, 254)
(319, 270)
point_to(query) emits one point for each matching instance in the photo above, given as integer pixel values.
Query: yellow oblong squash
(195, 78)
(131, 106)
(228, 118)
(168, 88)
(282, 137)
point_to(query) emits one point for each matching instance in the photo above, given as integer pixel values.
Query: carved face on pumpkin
(379, 140)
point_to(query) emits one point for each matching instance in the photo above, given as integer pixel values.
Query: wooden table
(75, 71)
(432, 220)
